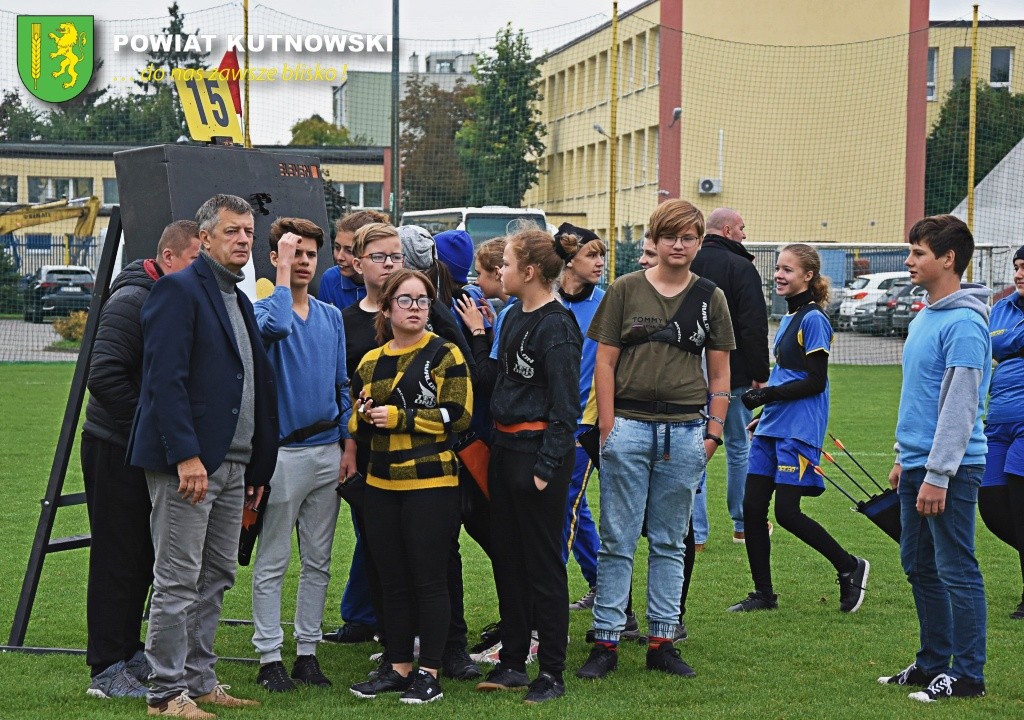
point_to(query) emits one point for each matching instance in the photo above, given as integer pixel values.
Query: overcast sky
(439, 18)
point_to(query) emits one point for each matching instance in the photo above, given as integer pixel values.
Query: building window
(961, 64)
(47, 189)
(361, 195)
(641, 50)
(9, 188)
(657, 55)
(933, 55)
(110, 194)
(373, 195)
(999, 74)
(340, 105)
(444, 66)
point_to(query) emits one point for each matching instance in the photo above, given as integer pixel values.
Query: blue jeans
(737, 450)
(699, 516)
(652, 466)
(356, 601)
(938, 556)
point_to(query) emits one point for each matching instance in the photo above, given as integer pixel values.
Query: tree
(18, 122)
(432, 176)
(314, 131)
(1000, 126)
(500, 144)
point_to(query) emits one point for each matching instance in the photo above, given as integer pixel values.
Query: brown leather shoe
(219, 696)
(180, 706)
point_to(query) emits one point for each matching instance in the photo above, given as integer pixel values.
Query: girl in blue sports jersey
(1001, 496)
(787, 436)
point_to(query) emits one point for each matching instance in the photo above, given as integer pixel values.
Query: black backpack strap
(788, 353)
(689, 328)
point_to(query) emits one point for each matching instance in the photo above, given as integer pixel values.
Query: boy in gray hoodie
(940, 459)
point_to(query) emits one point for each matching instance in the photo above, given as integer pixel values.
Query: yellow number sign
(206, 99)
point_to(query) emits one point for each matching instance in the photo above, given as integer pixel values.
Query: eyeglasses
(686, 240)
(396, 258)
(407, 301)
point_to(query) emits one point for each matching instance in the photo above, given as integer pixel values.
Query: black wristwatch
(710, 436)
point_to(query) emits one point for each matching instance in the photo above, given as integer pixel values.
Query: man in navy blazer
(206, 434)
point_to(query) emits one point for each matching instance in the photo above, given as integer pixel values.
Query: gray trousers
(303, 494)
(196, 548)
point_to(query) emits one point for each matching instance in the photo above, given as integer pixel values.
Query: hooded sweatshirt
(947, 367)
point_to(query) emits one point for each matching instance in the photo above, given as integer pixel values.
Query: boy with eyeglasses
(655, 441)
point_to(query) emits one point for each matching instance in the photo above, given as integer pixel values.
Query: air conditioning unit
(709, 186)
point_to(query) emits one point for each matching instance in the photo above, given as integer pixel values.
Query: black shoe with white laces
(912, 675)
(274, 677)
(387, 681)
(425, 688)
(944, 686)
(852, 586)
(307, 671)
(756, 601)
(545, 687)
(666, 658)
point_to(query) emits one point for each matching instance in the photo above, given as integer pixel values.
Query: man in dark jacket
(121, 558)
(723, 260)
(206, 433)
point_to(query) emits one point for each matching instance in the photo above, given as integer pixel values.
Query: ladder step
(72, 542)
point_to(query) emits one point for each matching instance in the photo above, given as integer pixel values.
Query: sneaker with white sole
(852, 586)
(911, 675)
(945, 686)
(138, 665)
(179, 706)
(116, 682)
(425, 688)
(586, 602)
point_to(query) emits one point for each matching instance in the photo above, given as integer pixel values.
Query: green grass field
(806, 660)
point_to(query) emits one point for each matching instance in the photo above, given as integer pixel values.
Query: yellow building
(808, 118)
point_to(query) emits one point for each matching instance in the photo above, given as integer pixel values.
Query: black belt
(657, 407)
(305, 433)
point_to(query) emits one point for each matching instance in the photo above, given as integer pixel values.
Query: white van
(482, 223)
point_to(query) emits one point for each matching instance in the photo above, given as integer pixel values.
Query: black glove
(756, 397)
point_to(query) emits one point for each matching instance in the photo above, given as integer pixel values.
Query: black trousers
(1002, 511)
(757, 497)
(121, 554)
(526, 550)
(408, 532)
(476, 518)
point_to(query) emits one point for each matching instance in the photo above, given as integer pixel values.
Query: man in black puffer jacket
(121, 558)
(723, 260)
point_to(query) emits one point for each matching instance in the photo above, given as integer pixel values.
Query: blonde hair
(369, 233)
(810, 262)
(490, 254)
(675, 216)
(536, 247)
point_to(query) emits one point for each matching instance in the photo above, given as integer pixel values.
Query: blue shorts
(787, 461)
(1005, 453)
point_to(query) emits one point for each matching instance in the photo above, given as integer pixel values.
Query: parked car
(884, 307)
(57, 290)
(907, 307)
(864, 291)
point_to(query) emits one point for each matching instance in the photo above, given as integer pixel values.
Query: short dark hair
(177, 237)
(299, 226)
(942, 233)
(355, 220)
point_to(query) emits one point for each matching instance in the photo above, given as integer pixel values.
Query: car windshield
(858, 283)
(74, 276)
(485, 227)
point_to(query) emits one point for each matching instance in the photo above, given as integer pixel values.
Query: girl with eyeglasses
(412, 395)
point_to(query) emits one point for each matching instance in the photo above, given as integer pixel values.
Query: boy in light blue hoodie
(940, 460)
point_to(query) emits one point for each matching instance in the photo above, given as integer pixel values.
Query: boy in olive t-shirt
(655, 442)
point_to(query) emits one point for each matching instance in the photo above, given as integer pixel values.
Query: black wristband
(710, 436)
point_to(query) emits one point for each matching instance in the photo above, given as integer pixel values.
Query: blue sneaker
(116, 682)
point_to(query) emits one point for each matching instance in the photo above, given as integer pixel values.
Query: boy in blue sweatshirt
(305, 340)
(940, 445)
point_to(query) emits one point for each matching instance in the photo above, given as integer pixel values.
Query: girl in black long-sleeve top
(535, 405)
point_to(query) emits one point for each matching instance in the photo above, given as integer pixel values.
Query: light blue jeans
(699, 517)
(652, 466)
(938, 556)
(737, 451)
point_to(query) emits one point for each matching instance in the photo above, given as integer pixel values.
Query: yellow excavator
(84, 210)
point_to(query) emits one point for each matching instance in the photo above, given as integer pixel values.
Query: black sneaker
(852, 586)
(456, 664)
(504, 678)
(545, 687)
(489, 637)
(912, 675)
(756, 601)
(388, 681)
(307, 671)
(602, 660)
(351, 633)
(630, 632)
(1018, 614)
(665, 658)
(274, 677)
(944, 686)
(424, 688)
